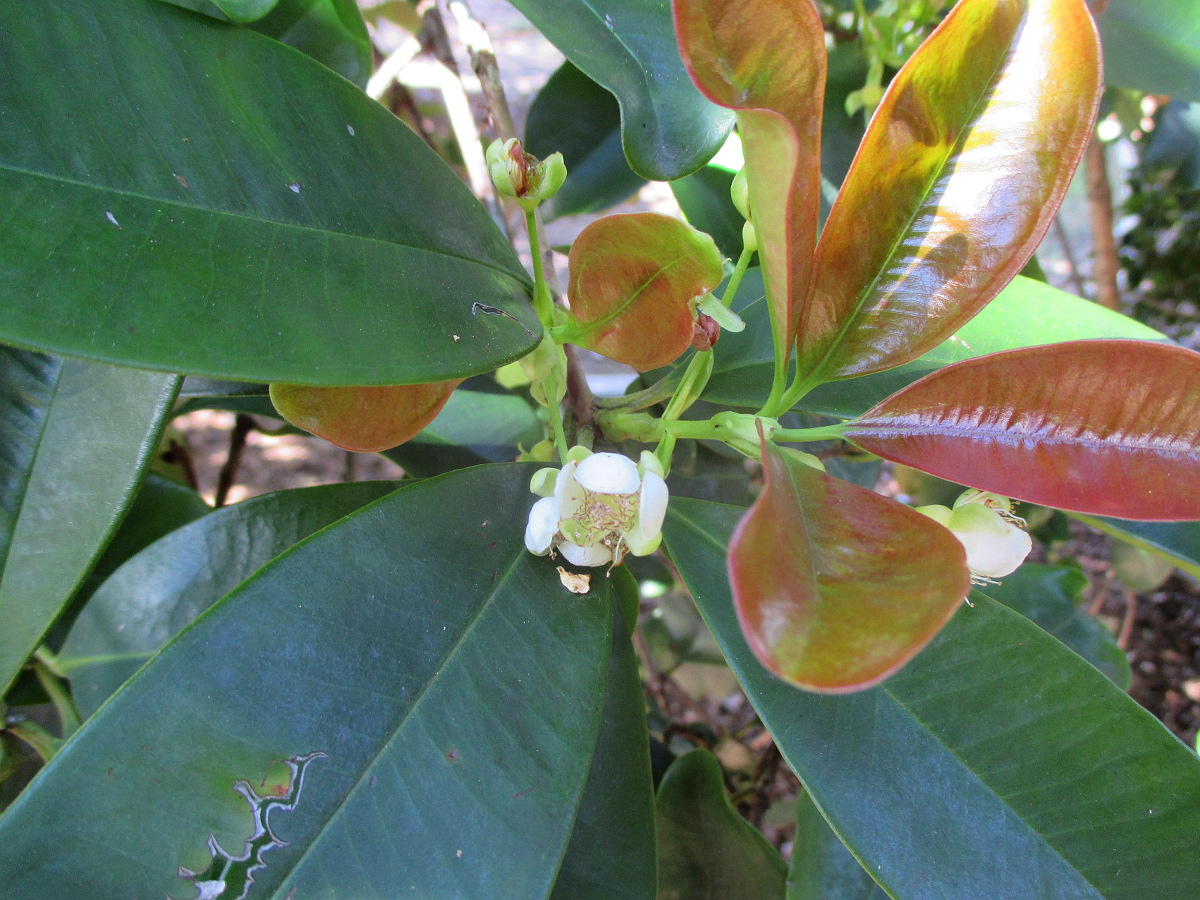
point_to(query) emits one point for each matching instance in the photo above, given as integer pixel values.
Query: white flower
(984, 524)
(597, 508)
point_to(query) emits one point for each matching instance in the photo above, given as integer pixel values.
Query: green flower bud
(740, 192)
(527, 179)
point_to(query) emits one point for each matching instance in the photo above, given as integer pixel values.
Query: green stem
(542, 302)
(42, 742)
(68, 715)
(656, 393)
(823, 433)
(735, 280)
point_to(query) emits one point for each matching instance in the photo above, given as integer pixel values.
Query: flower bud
(527, 179)
(706, 333)
(739, 191)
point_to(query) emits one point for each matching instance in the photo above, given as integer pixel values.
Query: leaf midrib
(265, 221)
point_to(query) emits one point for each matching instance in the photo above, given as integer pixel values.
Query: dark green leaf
(578, 118)
(302, 233)
(706, 851)
(822, 868)
(1152, 45)
(1051, 597)
(449, 683)
(157, 593)
(997, 764)
(611, 853)
(75, 438)
(841, 134)
(330, 31)
(628, 46)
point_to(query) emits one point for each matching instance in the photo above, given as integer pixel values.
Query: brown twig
(178, 454)
(1104, 245)
(242, 426)
(1126, 633)
(579, 393)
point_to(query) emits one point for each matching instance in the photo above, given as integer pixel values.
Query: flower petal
(589, 555)
(608, 473)
(567, 492)
(542, 526)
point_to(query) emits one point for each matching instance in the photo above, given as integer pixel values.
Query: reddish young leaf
(766, 60)
(958, 177)
(633, 279)
(837, 587)
(1106, 427)
(364, 419)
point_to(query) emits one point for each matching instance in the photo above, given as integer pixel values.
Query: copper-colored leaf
(633, 279)
(1104, 427)
(959, 176)
(365, 419)
(837, 587)
(766, 60)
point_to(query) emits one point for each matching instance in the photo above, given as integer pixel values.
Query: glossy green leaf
(364, 419)
(822, 868)
(633, 280)
(330, 31)
(159, 507)
(836, 586)
(996, 764)
(1152, 45)
(959, 175)
(706, 204)
(75, 439)
(1044, 424)
(1051, 596)
(308, 238)
(611, 853)
(575, 116)
(705, 849)
(1027, 313)
(158, 592)
(246, 10)
(413, 657)
(765, 59)
(627, 46)
(1178, 542)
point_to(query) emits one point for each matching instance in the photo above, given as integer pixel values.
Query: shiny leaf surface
(1012, 766)
(75, 439)
(705, 848)
(765, 59)
(158, 592)
(668, 128)
(1051, 596)
(365, 419)
(303, 233)
(1102, 427)
(1153, 46)
(958, 177)
(822, 868)
(611, 853)
(633, 279)
(837, 587)
(575, 116)
(330, 31)
(419, 647)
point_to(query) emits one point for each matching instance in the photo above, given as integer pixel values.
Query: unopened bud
(527, 179)
(705, 333)
(740, 192)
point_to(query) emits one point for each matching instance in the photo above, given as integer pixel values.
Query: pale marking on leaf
(108, 215)
(228, 877)
(477, 308)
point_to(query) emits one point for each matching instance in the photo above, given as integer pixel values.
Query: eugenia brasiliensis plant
(427, 688)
